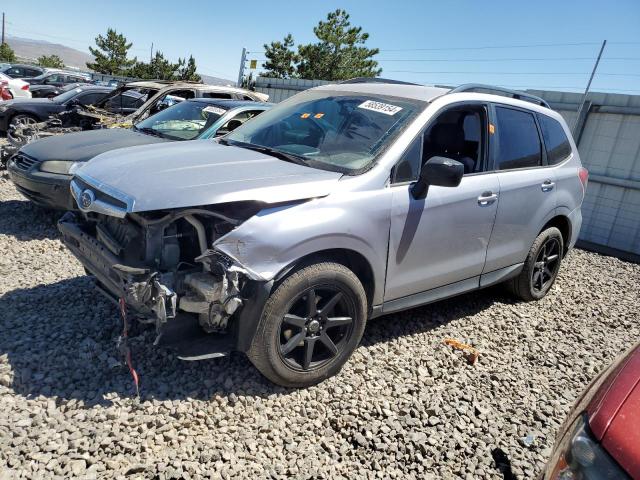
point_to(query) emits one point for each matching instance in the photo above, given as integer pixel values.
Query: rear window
(555, 140)
(518, 140)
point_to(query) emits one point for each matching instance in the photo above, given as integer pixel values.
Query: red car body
(611, 407)
(614, 413)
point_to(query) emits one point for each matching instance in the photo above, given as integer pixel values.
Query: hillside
(29, 50)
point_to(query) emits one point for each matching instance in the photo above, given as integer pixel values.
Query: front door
(443, 238)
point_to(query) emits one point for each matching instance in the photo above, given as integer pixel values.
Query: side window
(216, 95)
(407, 169)
(458, 133)
(90, 98)
(555, 140)
(30, 72)
(518, 140)
(14, 72)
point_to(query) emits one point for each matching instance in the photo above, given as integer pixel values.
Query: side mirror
(439, 171)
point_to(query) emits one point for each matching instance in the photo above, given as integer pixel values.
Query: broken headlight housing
(56, 166)
(581, 457)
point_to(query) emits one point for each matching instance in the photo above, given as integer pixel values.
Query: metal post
(586, 90)
(243, 59)
(151, 56)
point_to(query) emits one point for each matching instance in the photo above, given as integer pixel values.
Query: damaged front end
(162, 265)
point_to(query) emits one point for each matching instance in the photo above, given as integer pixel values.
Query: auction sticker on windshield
(385, 108)
(214, 110)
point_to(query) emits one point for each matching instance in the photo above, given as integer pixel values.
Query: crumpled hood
(201, 172)
(83, 146)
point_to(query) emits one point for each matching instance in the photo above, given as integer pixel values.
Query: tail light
(583, 174)
(25, 87)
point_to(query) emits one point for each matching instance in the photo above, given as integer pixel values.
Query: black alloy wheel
(310, 325)
(546, 266)
(316, 328)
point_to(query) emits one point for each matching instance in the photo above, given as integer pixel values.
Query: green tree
(6, 53)
(50, 61)
(111, 54)
(159, 68)
(188, 71)
(340, 53)
(281, 59)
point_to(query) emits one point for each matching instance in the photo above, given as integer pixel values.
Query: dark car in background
(36, 110)
(50, 91)
(23, 72)
(58, 78)
(600, 439)
(40, 170)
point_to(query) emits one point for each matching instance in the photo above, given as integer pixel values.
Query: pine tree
(111, 54)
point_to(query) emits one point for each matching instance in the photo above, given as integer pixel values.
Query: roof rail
(376, 80)
(480, 88)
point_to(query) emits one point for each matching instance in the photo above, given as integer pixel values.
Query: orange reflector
(318, 115)
(305, 115)
(492, 129)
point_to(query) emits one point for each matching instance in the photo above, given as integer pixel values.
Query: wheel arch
(562, 223)
(353, 260)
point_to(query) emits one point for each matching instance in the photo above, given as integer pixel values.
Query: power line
(499, 59)
(490, 47)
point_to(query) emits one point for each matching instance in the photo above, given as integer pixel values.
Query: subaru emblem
(86, 199)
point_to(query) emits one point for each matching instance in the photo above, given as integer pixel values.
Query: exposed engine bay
(162, 262)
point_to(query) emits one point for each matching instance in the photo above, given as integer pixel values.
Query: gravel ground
(405, 405)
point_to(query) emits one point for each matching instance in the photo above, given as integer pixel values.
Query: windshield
(68, 95)
(183, 121)
(338, 131)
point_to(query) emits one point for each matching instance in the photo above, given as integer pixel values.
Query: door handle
(547, 186)
(487, 198)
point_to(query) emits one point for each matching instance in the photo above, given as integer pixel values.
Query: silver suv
(340, 204)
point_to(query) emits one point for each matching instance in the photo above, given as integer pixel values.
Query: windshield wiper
(286, 156)
(148, 131)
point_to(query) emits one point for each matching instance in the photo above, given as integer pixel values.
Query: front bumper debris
(191, 311)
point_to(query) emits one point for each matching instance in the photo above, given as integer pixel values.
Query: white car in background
(18, 88)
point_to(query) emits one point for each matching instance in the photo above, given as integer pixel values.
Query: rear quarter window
(555, 140)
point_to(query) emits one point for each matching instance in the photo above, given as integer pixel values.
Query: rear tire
(310, 326)
(540, 267)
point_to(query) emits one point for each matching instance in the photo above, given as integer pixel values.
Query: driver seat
(447, 139)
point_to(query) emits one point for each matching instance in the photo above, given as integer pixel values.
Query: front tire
(310, 326)
(540, 268)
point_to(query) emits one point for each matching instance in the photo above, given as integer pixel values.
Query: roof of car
(429, 93)
(92, 87)
(417, 92)
(228, 103)
(7, 65)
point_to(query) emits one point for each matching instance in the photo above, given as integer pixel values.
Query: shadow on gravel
(428, 317)
(25, 221)
(59, 340)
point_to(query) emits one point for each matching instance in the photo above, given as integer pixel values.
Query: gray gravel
(405, 406)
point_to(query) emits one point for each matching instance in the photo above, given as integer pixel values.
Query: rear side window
(555, 140)
(518, 140)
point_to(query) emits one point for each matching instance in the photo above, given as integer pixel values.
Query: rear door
(527, 186)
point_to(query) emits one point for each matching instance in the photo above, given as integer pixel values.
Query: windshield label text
(385, 108)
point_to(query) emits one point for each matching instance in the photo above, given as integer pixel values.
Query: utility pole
(3, 27)
(243, 59)
(581, 105)
(151, 56)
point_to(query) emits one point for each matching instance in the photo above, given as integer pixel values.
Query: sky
(542, 44)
